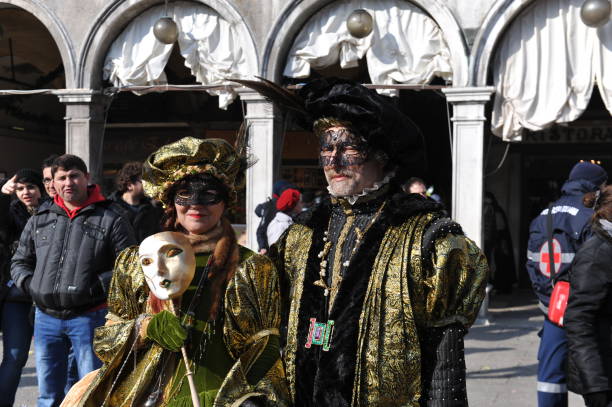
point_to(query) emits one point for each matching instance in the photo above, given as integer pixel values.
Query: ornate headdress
(326, 101)
(191, 156)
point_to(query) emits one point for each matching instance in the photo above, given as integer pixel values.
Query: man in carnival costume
(380, 288)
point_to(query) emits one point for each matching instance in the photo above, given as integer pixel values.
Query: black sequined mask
(341, 148)
(200, 193)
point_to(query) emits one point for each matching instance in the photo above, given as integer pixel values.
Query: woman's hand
(164, 328)
(9, 186)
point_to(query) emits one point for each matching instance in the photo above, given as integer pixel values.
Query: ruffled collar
(366, 194)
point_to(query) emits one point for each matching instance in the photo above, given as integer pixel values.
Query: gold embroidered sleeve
(456, 282)
(276, 254)
(126, 300)
(251, 332)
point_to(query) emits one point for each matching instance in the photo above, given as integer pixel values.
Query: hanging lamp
(595, 13)
(360, 23)
(165, 29)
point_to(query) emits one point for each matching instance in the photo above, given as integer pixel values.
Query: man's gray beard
(345, 188)
(353, 196)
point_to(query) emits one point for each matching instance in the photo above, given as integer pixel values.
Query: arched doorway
(142, 117)
(32, 125)
(551, 107)
(311, 40)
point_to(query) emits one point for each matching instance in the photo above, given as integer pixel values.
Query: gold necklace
(321, 282)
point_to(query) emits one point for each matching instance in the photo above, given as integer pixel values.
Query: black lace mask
(341, 148)
(198, 192)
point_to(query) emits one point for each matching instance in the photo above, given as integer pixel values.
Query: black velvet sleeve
(443, 367)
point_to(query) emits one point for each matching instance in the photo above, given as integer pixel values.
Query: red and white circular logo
(545, 258)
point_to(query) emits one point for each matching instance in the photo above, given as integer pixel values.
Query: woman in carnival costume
(232, 337)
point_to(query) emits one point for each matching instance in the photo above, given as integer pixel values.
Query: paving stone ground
(500, 357)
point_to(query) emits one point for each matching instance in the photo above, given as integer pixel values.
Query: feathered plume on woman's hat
(374, 117)
(191, 156)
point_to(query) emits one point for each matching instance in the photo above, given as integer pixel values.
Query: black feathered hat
(373, 116)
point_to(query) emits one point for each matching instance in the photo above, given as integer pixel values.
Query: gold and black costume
(378, 288)
(399, 303)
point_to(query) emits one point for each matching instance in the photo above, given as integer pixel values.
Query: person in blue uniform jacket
(570, 225)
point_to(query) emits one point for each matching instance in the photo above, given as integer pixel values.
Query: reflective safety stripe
(552, 387)
(535, 256)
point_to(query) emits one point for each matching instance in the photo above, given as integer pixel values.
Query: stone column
(468, 139)
(265, 142)
(85, 120)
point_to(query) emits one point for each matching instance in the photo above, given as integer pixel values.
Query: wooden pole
(195, 399)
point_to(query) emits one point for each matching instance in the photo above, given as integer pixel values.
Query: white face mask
(168, 262)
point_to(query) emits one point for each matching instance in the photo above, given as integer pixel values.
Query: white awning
(546, 66)
(210, 45)
(406, 46)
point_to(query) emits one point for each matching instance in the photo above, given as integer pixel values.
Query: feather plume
(242, 141)
(283, 98)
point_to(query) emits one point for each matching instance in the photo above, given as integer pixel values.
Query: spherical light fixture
(165, 30)
(360, 23)
(595, 13)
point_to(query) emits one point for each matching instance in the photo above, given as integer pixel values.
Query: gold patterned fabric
(404, 295)
(131, 369)
(190, 156)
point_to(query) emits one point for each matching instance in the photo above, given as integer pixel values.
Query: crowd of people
(357, 297)
(61, 236)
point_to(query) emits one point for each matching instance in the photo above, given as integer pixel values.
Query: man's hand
(10, 185)
(263, 251)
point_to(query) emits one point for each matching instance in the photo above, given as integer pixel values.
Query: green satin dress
(240, 358)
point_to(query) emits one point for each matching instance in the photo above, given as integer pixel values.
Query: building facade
(480, 71)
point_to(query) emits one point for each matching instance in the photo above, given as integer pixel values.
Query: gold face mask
(168, 262)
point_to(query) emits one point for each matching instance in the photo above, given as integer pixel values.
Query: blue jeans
(73, 373)
(16, 339)
(552, 361)
(52, 340)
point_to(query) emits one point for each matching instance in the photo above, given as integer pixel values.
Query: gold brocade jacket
(251, 316)
(404, 295)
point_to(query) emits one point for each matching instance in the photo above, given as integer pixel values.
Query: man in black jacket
(143, 214)
(64, 261)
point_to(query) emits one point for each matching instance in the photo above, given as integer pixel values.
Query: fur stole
(221, 241)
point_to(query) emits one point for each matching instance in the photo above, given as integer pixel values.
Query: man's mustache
(346, 173)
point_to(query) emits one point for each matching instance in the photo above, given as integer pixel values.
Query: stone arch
(113, 19)
(297, 13)
(495, 24)
(56, 29)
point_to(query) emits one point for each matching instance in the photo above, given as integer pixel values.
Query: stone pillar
(468, 150)
(85, 120)
(265, 142)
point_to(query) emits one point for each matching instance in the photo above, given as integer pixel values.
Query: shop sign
(571, 135)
